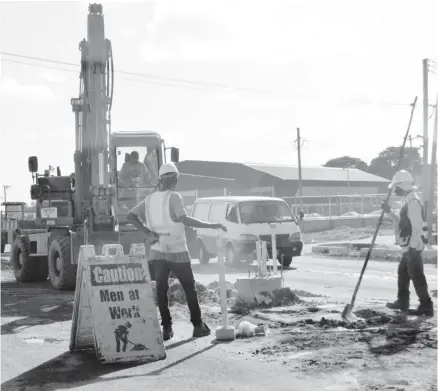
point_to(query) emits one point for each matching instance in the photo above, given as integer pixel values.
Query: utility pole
(425, 132)
(300, 178)
(410, 141)
(433, 178)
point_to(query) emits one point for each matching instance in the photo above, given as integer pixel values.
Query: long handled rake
(346, 314)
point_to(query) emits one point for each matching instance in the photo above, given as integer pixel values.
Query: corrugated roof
(317, 173)
(183, 174)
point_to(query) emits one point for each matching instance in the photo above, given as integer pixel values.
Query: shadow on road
(35, 304)
(72, 368)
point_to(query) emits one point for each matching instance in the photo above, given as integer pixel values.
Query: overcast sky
(342, 71)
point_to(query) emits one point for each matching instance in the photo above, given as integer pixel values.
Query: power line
(150, 76)
(122, 78)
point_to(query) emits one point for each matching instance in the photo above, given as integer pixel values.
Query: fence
(342, 205)
(313, 206)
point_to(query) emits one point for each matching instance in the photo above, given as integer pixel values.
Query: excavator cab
(136, 158)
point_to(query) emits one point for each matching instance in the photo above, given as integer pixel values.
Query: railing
(325, 206)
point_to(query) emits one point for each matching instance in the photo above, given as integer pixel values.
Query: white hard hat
(168, 168)
(402, 179)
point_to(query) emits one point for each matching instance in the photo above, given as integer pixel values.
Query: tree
(385, 164)
(347, 161)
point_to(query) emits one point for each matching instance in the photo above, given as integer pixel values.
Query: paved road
(331, 276)
(36, 325)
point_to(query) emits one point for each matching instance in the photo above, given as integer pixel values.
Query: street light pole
(5, 187)
(425, 131)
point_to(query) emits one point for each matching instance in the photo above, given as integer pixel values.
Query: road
(332, 276)
(36, 324)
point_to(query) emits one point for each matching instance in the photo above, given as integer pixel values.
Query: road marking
(47, 309)
(34, 340)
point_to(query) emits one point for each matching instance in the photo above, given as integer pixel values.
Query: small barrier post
(274, 248)
(225, 332)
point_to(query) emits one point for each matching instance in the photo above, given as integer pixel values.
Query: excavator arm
(93, 190)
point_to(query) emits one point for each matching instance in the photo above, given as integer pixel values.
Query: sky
(344, 72)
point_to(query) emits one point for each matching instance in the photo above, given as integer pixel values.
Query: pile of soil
(176, 293)
(277, 298)
(366, 318)
(302, 293)
(231, 290)
(209, 294)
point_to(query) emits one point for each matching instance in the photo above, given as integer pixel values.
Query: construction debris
(247, 330)
(277, 298)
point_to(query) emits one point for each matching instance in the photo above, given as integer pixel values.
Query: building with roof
(279, 180)
(324, 188)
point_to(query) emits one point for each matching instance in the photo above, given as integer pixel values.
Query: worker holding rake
(411, 231)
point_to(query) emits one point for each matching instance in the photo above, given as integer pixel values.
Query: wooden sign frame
(114, 309)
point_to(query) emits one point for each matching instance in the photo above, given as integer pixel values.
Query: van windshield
(252, 212)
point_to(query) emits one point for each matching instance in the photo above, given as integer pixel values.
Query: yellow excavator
(91, 205)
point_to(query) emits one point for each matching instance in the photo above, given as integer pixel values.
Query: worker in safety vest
(166, 217)
(411, 236)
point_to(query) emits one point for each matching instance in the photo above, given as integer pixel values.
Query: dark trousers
(411, 268)
(183, 272)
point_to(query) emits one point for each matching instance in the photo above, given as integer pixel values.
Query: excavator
(90, 206)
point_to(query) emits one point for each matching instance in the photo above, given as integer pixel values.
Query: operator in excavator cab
(134, 173)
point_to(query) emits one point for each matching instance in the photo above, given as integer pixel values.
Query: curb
(359, 251)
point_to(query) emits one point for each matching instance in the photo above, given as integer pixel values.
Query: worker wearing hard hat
(165, 218)
(411, 231)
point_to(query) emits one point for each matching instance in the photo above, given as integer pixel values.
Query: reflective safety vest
(172, 234)
(405, 227)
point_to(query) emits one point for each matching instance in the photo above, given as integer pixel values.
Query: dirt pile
(231, 290)
(366, 318)
(277, 298)
(176, 293)
(209, 294)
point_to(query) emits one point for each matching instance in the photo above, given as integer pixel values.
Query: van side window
(217, 213)
(200, 211)
(232, 213)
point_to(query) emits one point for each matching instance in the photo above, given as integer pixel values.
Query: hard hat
(402, 179)
(168, 168)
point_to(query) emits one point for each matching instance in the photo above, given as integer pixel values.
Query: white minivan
(247, 220)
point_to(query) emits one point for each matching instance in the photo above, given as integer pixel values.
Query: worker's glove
(385, 207)
(222, 227)
(152, 238)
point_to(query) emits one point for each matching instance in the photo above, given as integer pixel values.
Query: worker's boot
(424, 309)
(167, 333)
(201, 331)
(398, 305)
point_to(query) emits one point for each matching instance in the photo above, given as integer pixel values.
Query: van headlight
(295, 237)
(249, 238)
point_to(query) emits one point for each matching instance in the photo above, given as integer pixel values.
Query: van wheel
(287, 260)
(203, 255)
(230, 255)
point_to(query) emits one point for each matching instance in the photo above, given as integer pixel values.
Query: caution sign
(114, 310)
